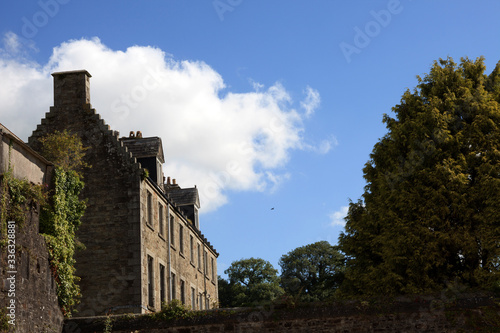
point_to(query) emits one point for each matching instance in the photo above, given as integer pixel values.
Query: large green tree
(252, 281)
(312, 272)
(430, 211)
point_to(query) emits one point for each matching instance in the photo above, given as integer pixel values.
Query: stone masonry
(131, 229)
(35, 307)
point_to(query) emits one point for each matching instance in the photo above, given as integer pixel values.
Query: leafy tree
(312, 272)
(65, 150)
(251, 281)
(429, 214)
(226, 294)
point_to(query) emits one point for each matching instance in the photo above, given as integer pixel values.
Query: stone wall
(478, 313)
(109, 267)
(36, 304)
(23, 161)
(183, 259)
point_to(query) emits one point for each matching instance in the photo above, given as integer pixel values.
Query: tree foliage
(429, 214)
(252, 281)
(65, 150)
(312, 272)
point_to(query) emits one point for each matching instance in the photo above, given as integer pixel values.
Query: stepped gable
(110, 227)
(72, 97)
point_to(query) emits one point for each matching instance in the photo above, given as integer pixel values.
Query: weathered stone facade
(33, 299)
(130, 254)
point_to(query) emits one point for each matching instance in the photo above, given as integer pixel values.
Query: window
(205, 262)
(150, 209)
(181, 238)
(174, 291)
(193, 299)
(172, 229)
(160, 219)
(183, 292)
(207, 303)
(162, 284)
(201, 301)
(212, 266)
(199, 257)
(151, 299)
(191, 248)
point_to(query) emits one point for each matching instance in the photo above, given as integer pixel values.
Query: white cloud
(337, 218)
(219, 140)
(311, 102)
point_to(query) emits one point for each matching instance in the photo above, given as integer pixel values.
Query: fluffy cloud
(337, 218)
(219, 140)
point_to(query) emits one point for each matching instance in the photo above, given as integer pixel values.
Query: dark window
(181, 238)
(212, 268)
(172, 229)
(205, 262)
(191, 248)
(199, 257)
(160, 219)
(162, 284)
(151, 299)
(150, 209)
(174, 291)
(183, 292)
(193, 299)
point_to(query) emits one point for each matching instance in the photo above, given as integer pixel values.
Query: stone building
(142, 236)
(27, 287)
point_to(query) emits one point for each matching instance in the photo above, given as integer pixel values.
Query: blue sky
(290, 94)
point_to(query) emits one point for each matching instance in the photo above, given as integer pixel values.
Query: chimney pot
(132, 134)
(139, 134)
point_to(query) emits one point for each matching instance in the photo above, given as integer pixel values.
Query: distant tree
(225, 293)
(312, 272)
(430, 211)
(252, 281)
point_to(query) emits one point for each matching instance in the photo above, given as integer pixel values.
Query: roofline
(8, 133)
(84, 71)
(174, 206)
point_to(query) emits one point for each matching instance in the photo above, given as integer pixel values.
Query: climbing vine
(62, 215)
(17, 198)
(58, 223)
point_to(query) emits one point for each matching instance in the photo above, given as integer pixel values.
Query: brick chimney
(71, 88)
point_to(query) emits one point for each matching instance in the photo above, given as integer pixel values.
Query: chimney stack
(71, 88)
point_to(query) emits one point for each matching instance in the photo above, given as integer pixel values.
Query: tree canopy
(312, 272)
(251, 281)
(430, 212)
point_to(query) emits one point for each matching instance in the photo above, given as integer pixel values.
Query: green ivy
(58, 223)
(4, 321)
(18, 197)
(173, 310)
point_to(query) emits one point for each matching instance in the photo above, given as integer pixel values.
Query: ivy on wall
(62, 215)
(17, 198)
(58, 223)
